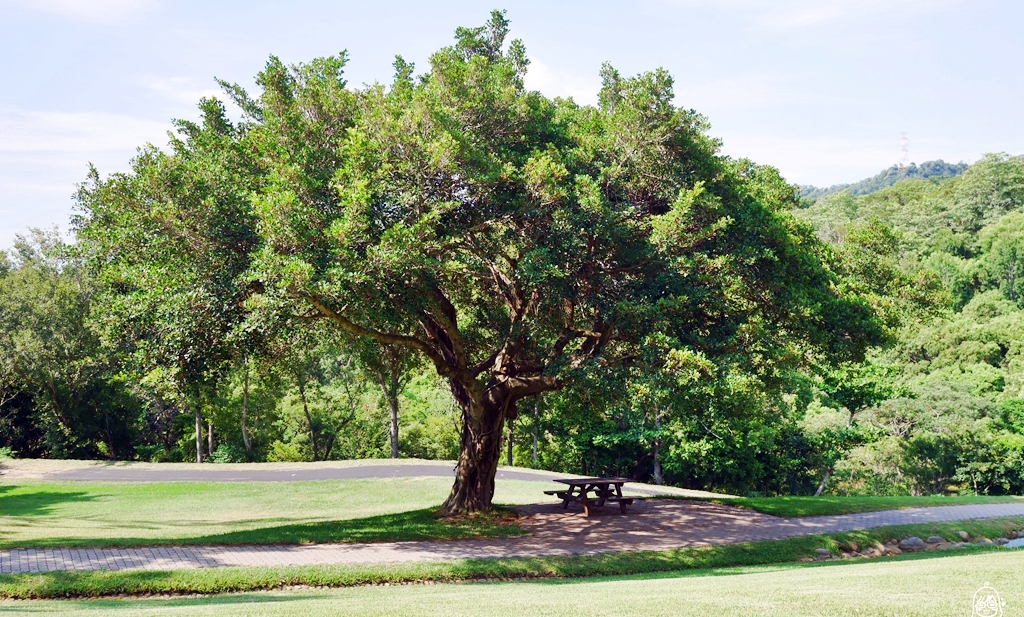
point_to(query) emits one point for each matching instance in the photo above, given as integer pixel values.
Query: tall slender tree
(391, 367)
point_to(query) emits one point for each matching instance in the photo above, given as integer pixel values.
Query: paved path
(651, 525)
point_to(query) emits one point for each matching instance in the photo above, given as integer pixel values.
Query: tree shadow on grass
(36, 502)
(422, 524)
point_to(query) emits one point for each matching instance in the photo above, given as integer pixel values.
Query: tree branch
(521, 387)
(443, 368)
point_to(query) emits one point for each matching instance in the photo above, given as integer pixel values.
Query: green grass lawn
(936, 586)
(366, 510)
(107, 514)
(817, 506)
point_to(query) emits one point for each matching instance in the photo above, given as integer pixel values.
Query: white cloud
(751, 90)
(182, 90)
(78, 132)
(799, 16)
(44, 155)
(553, 82)
(101, 11)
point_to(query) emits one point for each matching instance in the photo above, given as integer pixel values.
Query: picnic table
(592, 492)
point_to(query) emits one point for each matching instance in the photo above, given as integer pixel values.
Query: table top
(575, 481)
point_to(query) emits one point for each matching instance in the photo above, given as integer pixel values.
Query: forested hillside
(951, 415)
(934, 170)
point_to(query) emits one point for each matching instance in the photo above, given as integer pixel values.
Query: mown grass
(79, 514)
(133, 514)
(222, 580)
(425, 524)
(820, 506)
(909, 587)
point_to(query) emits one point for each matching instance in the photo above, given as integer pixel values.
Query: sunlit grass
(933, 586)
(819, 506)
(102, 513)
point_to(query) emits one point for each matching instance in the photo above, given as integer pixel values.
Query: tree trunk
(328, 447)
(245, 411)
(511, 438)
(536, 428)
(309, 418)
(824, 483)
(478, 460)
(110, 438)
(393, 403)
(390, 392)
(209, 437)
(199, 435)
(659, 477)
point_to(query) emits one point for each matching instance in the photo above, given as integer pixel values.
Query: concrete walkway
(651, 525)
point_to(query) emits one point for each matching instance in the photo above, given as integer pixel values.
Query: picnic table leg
(618, 493)
(580, 494)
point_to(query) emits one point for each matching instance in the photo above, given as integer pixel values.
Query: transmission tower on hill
(904, 152)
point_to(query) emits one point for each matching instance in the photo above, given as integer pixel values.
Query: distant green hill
(889, 177)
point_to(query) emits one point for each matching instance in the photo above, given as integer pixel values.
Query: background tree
(391, 367)
(957, 361)
(58, 393)
(1002, 247)
(170, 241)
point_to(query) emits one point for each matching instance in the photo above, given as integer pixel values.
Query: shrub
(228, 453)
(281, 452)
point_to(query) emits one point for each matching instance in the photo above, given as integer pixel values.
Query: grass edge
(208, 581)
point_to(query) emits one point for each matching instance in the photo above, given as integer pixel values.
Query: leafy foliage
(58, 392)
(957, 357)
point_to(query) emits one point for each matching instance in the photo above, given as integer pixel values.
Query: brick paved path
(652, 525)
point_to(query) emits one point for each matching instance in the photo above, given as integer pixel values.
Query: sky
(820, 89)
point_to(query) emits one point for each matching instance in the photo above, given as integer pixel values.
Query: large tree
(520, 244)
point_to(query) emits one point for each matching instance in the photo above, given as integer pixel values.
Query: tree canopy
(521, 245)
